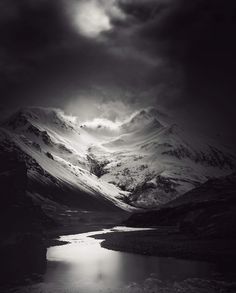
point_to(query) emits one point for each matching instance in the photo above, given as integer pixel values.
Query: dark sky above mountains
(108, 57)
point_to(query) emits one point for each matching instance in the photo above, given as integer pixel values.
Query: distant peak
(143, 117)
(151, 112)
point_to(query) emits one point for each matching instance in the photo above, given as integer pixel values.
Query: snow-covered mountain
(156, 161)
(55, 151)
(143, 162)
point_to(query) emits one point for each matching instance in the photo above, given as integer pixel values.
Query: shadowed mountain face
(22, 222)
(143, 162)
(206, 211)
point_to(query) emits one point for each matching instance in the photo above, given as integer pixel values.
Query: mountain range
(143, 162)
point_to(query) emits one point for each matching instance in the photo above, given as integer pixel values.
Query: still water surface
(84, 266)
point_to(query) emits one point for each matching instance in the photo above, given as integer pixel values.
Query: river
(83, 266)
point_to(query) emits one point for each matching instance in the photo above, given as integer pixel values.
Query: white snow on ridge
(142, 162)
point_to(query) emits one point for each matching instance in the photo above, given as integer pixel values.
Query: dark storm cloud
(44, 59)
(197, 36)
(175, 53)
(28, 30)
(195, 40)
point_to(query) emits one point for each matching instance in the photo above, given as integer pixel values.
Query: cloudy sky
(110, 57)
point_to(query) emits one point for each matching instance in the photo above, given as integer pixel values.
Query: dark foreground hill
(206, 211)
(199, 225)
(22, 249)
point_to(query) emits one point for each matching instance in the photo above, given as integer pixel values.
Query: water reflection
(85, 266)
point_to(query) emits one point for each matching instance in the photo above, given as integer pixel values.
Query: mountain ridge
(142, 163)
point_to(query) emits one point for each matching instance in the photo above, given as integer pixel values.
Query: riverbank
(80, 221)
(200, 225)
(166, 242)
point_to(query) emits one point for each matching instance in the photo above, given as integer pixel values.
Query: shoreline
(157, 243)
(81, 223)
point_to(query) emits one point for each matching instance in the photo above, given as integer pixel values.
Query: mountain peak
(144, 117)
(46, 116)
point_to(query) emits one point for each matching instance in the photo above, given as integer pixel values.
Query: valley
(60, 177)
